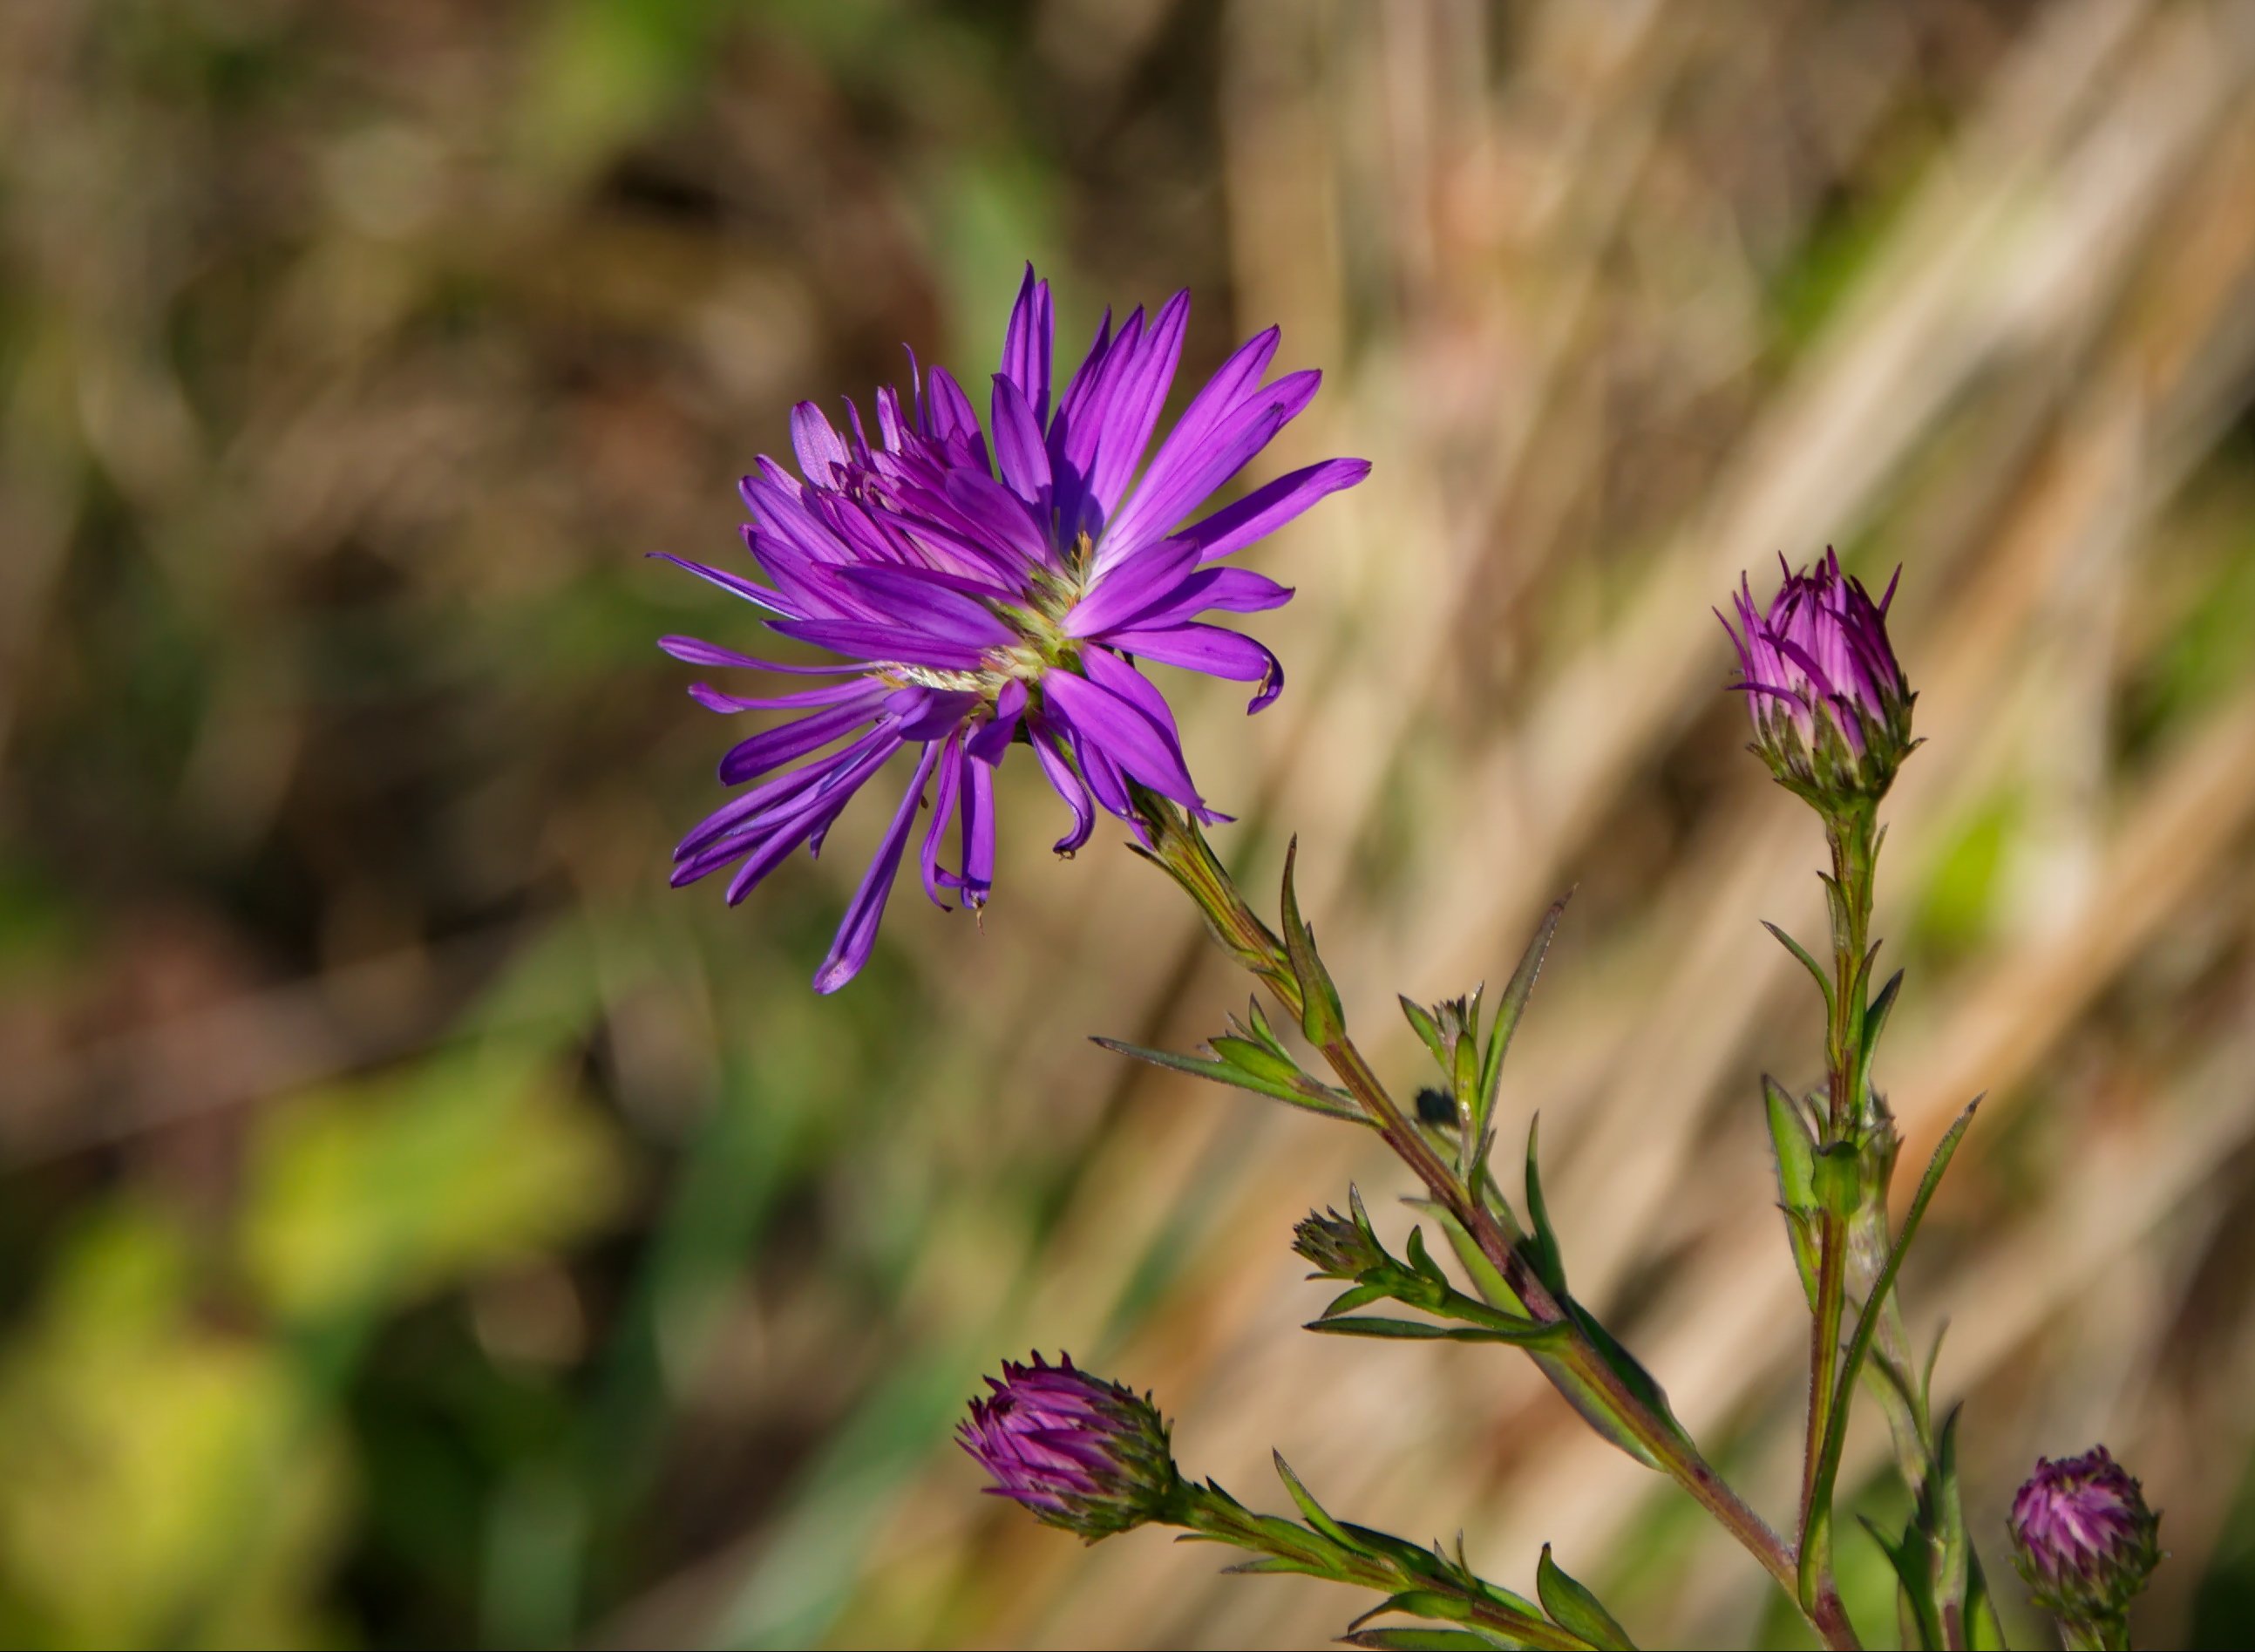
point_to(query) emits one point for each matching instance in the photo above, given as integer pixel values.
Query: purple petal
(695, 651)
(773, 747)
(869, 641)
(991, 739)
(918, 602)
(821, 453)
(774, 602)
(712, 700)
(1211, 650)
(1026, 346)
(977, 837)
(953, 419)
(1122, 733)
(1018, 446)
(857, 934)
(1232, 590)
(951, 763)
(1121, 592)
(1049, 747)
(1271, 506)
(1176, 483)
(1133, 407)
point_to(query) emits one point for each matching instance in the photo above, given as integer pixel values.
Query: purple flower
(998, 586)
(1831, 707)
(2083, 1538)
(1078, 1452)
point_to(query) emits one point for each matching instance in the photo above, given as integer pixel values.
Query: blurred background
(419, 1225)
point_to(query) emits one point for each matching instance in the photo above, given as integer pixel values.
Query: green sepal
(1306, 1094)
(1540, 1245)
(1572, 1607)
(1322, 1018)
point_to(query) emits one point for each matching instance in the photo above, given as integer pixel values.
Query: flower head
(1831, 707)
(997, 586)
(2083, 1538)
(1080, 1453)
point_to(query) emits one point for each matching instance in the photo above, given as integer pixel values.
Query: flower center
(1038, 618)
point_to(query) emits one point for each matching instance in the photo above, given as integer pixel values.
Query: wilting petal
(978, 839)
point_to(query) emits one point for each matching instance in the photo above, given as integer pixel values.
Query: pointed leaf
(1409, 1640)
(1908, 1559)
(1796, 1153)
(1315, 1098)
(1423, 1603)
(1516, 992)
(1322, 1019)
(1428, 1030)
(1572, 1607)
(1525, 1334)
(1259, 1062)
(1817, 972)
(1422, 1260)
(1310, 1510)
(1541, 1246)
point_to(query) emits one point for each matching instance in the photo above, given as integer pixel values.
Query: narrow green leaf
(1571, 1606)
(1912, 1572)
(1356, 1297)
(1508, 1010)
(1322, 1020)
(1817, 972)
(1526, 1333)
(1317, 1098)
(1541, 1248)
(1596, 1408)
(1875, 1017)
(1310, 1510)
(1428, 1030)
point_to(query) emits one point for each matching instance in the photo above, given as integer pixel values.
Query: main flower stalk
(1183, 853)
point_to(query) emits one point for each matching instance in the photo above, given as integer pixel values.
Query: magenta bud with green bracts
(1079, 1452)
(2084, 1540)
(1831, 709)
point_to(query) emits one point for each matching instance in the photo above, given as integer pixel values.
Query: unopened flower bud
(2084, 1540)
(1339, 1247)
(1080, 1453)
(1831, 707)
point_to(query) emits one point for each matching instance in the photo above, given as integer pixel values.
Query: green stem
(1178, 847)
(1214, 1514)
(1849, 897)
